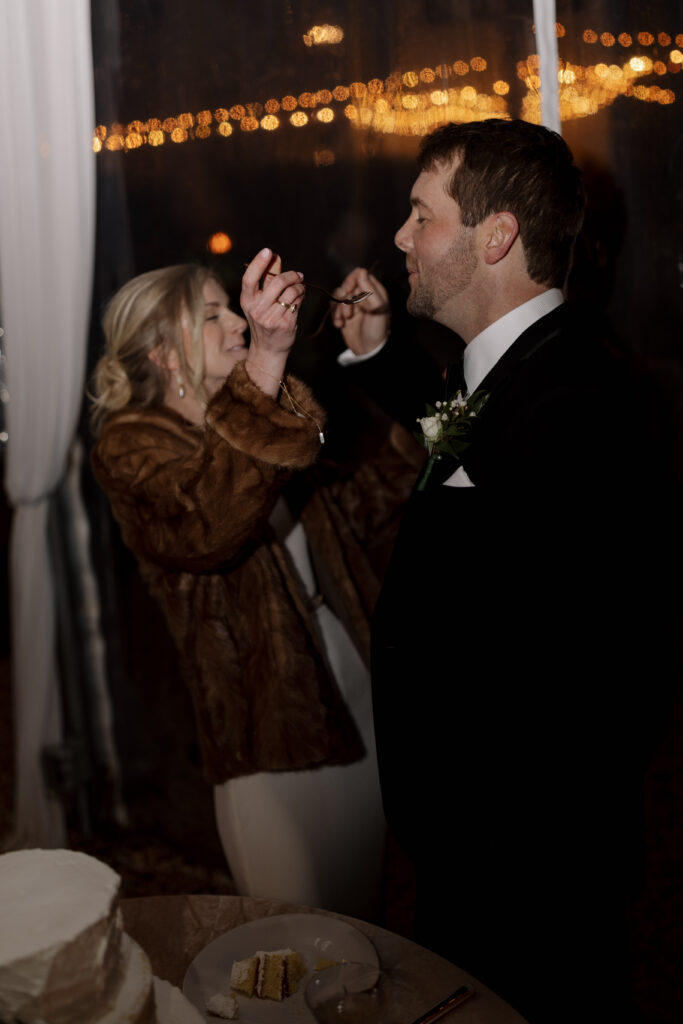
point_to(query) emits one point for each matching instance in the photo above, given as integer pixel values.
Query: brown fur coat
(193, 505)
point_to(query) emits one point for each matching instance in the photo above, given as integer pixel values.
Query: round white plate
(314, 936)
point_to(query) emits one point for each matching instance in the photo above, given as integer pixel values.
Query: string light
(318, 35)
(398, 104)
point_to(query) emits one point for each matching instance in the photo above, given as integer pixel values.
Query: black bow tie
(455, 379)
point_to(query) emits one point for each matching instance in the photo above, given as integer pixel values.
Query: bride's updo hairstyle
(149, 312)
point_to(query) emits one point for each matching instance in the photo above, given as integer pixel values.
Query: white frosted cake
(64, 958)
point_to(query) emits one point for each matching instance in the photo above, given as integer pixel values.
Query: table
(173, 929)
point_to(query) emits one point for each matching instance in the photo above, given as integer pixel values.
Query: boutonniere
(446, 427)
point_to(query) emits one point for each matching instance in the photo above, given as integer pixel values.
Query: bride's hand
(270, 300)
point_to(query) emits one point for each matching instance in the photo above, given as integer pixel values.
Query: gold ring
(285, 305)
(293, 308)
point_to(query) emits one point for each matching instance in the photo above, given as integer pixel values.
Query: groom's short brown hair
(518, 167)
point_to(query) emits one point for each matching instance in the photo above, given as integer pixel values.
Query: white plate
(314, 936)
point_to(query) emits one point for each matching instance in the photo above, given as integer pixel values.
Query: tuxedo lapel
(494, 385)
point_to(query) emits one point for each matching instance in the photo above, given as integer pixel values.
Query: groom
(514, 659)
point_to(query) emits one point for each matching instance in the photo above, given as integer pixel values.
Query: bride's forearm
(266, 370)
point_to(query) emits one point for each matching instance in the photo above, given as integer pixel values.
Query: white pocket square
(458, 479)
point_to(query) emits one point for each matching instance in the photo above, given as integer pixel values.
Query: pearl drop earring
(181, 386)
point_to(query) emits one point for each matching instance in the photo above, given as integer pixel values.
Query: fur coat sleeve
(197, 499)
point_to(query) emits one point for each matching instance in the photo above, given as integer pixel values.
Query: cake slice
(280, 971)
(268, 974)
(244, 974)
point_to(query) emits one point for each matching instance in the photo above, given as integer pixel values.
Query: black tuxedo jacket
(517, 663)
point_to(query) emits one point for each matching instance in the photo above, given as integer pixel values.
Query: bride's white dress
(316, 836)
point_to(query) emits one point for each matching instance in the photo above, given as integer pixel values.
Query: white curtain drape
(47, 212)
(546, 44)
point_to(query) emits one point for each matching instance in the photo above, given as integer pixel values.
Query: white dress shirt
(484, 351)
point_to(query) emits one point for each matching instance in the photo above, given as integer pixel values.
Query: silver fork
(351, 300)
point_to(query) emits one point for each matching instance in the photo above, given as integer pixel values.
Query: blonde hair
(149, 312)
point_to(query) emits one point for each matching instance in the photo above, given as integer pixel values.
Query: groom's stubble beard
(438, 285)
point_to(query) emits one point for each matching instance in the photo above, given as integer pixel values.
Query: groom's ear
(500, 230)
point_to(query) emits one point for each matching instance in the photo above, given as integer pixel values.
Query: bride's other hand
(365, 325)
(270, 300)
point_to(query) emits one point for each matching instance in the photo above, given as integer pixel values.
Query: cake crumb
(222, 1006)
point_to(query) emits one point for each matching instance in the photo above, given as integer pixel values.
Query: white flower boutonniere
(446, 428)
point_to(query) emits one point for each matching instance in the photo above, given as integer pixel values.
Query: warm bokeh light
(585, 90)
(324, 158)
(400, 104)
(319, 35)
(219, 243)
